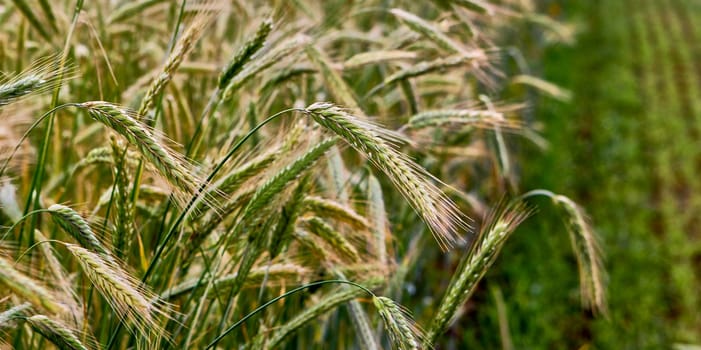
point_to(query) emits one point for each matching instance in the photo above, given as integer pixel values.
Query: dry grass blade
(443, 217)
(498, 228)
(62, 336)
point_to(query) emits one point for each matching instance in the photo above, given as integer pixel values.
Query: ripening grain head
(443, 217)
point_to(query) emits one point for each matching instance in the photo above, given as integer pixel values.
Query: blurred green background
(627, 148)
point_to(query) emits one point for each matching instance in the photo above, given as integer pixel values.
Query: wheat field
(275, 174)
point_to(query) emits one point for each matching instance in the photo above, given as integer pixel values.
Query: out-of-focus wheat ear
(170, 165)
(475, 58)
(30, 289)
(331, 209)
(585, 244)
(130, 9)
(289, 214)
(182, 48)
(462, 117)
(43, 75)
(275, 185)
(373, 57)
(547, 87)
(430, 32)
(16, 312)
(59, 334)
(124, 206)
(245, 53)
(439, 212)
(60, 276)
(275, 55)
(362, 326)
(74, 224)
(332, 237)
(498, 227)
(337, 86)
(402, 331)
(378, 218)
(320, 307)
(338, 176)
(284, 273)
(136, 306)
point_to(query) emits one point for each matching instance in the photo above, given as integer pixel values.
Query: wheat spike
(42, 76)
(33, 291)
(169, 165)
(133, 303)
(500, 224)
(442, 216)
(74, 224)
(62, 336)
(404, 335)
